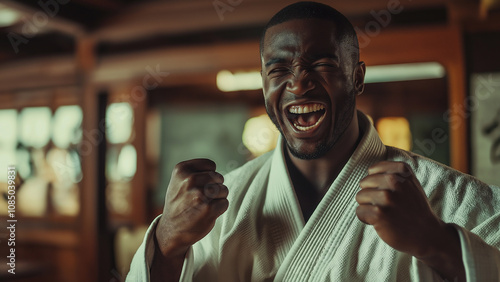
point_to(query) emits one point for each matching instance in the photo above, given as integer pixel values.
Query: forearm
(446, 256)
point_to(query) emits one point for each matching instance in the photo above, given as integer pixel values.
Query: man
(331, 203)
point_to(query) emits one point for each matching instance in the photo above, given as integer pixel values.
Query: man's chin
(315, 152)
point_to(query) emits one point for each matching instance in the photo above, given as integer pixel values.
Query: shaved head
(312, 10)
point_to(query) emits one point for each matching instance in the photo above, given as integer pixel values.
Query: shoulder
(454, 196)
(252, 171)
(249, 168)
(431, 171)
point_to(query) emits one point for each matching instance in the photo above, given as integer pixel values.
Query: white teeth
(304, 109)
(306, 128)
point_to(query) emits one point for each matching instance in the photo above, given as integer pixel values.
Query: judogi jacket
(263, 236)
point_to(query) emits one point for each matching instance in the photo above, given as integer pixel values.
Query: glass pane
(35, 124)
(8, 128)
(8, 157)
(66, 126)
(127, 163)
(66, 172)
(23, 163)
(32, 197)
(121, 164)
(65, 198)
(119, 121)
(74, 159)
(65, 165)
(117, 196)
(112, 164)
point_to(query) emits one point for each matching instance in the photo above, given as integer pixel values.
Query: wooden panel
(458, 110)
(181, 60)
(38, 73)
(58, 238)
(89, 213)
(433, 44)
(44, 256)
(410, 45)
(173, 17)
(139, 186)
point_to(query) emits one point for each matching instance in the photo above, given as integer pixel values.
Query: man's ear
(359, 77)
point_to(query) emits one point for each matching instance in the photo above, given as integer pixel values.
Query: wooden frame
(434, 44)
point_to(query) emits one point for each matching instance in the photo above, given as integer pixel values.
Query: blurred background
(99, 99)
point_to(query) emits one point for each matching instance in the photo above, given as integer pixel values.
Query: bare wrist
(166, 266)
(168, 249)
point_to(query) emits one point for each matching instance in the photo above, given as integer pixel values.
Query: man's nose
(300, 84)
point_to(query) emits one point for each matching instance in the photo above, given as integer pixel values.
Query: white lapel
(324, 231)
(282, 204)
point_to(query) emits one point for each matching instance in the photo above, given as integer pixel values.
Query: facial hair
(342, 120)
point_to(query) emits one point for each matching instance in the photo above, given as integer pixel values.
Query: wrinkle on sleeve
(141, 263)
(143, 258)
(481, 260)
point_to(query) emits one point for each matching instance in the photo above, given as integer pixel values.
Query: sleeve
(141, 263)
(481, 260)
(473, 208)
(479, 233)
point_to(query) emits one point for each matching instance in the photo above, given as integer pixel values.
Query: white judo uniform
(263, 236)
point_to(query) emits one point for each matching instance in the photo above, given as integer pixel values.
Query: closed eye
(278, 71)
(326, 65)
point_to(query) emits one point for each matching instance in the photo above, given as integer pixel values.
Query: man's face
(308, 85)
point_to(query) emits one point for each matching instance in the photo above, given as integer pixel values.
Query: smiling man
(331, 202)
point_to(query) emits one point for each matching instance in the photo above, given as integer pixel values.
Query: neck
(321, 172)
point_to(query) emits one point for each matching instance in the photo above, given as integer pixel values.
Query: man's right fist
(195, 198)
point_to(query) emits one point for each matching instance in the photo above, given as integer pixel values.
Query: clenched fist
(195, 198)
(393, 201)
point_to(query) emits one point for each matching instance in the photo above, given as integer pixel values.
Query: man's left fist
(393, 201)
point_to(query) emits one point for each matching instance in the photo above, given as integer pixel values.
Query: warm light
(8, 16)
(370, 119)
(395, 131)
(260, 135)
(404, 72)
(228, 81)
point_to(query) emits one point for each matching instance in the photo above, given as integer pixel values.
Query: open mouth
(306, 117)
